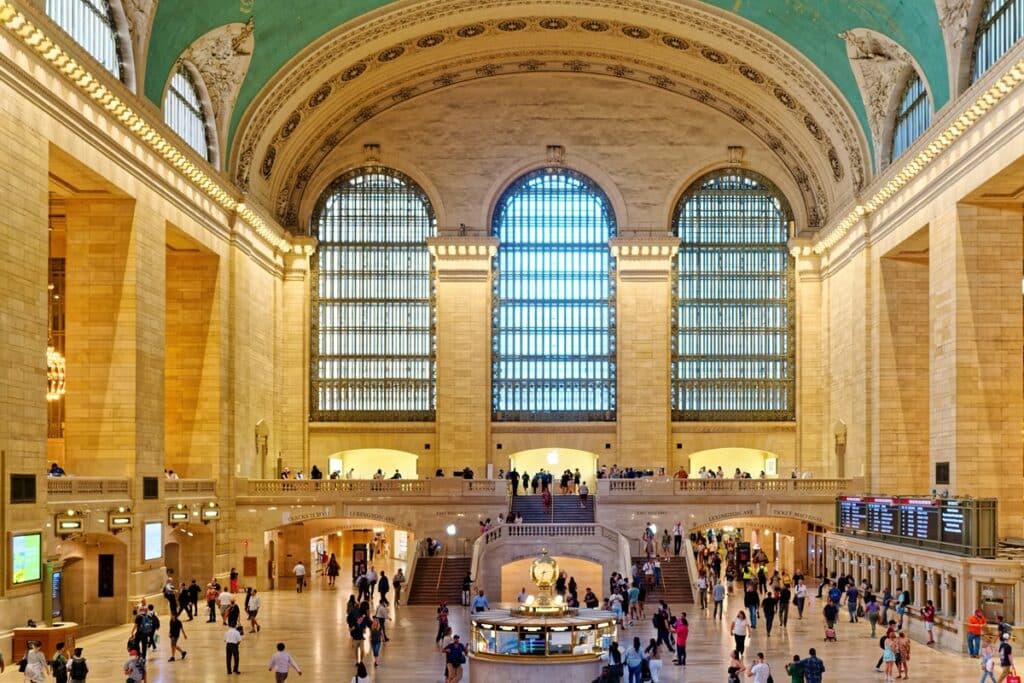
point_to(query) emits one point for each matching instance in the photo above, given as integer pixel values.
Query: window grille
(1001, 26)
(553, 320)
(733, 353)
(373, 343)
(91, 25)
(912, 118)
(183, 112)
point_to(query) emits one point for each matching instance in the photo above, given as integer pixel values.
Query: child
(988, 664)
(77, 668)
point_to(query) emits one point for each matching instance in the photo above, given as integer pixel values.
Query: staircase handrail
(691, 565)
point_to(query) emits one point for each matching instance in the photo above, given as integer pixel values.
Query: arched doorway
(556, 460)
(790, 544)
(363, 463)
(188, 553)
(516, 575)
(353, 542)
(95, 589)
(748, 460)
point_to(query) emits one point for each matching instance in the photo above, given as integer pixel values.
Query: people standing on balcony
(55, 471)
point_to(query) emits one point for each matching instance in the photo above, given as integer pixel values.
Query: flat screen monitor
(26, 558)
(153, 541)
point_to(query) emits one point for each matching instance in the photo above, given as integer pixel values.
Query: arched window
(912, 118)
(373, 347)
(554, 300)
(91, 24)
(184, 113)
(733, 348)
(1001, 26)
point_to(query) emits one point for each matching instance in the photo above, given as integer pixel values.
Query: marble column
(463, 273)
(644, 346)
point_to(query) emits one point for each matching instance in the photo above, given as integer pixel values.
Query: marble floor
(312, 625)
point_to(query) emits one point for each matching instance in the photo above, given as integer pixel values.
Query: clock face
(543, 572)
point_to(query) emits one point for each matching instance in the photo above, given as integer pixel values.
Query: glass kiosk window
(532, 643)
(560, 642)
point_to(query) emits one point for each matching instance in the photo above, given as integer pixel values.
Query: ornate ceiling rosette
(362, 70)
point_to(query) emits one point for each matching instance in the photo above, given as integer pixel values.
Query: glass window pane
(912, 118)
(373, 344)
(733, 347)
(183, 112)
(554, 301)
(91, 25)
(1001, 26)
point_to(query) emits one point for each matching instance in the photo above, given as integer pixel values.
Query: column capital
(462, 258)
(644, 258)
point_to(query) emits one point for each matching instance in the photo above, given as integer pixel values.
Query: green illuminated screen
(26, 558)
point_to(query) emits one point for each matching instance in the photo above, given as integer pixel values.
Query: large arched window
(1001, 26)
(913, 116)
(733, 347)
(91, 24)
(373, 346)
(185, 114)
(554, 300)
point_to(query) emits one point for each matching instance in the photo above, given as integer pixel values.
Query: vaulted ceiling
(293, 81)
(283, 30)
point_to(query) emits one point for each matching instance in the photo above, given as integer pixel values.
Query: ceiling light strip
(970, 116)
(34, 38)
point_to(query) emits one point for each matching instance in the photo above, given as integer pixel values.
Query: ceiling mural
(811, 28)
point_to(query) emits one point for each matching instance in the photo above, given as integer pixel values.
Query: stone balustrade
(74, 489)
(190, 488)
(647, 487)
(255, 490)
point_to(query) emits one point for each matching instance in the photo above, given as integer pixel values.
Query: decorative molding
(139, 14)
(880, 67)
(222, 58)
(954, 16)
(849, 166)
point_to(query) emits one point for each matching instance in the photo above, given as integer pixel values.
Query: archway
(749, 460)
(355, 542)
(793, 545)
(556, 460)
(95, 581)
(363, 463)
(188, 553)
(516, 576)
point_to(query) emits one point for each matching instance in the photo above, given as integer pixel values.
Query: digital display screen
(26, 558)
(153, 541)
(55, 582)
(936, 523)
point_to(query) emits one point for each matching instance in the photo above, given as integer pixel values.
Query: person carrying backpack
(59, 664)
(78, 669)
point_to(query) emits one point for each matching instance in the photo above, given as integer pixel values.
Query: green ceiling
(282, 29)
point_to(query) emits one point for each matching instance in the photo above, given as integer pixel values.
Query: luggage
(830, 634)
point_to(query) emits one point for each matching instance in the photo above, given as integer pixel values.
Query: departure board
(959, 526)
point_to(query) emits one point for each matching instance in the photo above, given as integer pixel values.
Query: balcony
(341, 490)
(175, 489)
(66, 490)
(693, 490)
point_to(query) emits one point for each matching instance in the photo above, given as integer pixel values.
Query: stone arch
(366, 461)
(95, 579)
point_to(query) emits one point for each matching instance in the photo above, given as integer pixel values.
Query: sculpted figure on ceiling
(222, 58)
(881, 68)
(954, 15)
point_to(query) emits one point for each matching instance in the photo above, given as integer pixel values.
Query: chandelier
(55, 371)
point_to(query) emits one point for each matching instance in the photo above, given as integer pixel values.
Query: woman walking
(740, 631)
(736, 667)
(889, 656)
(333, 568)
(634, 659)
(654, 662)
(902, 655)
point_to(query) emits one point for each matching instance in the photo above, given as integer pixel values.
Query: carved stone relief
(954, 17)
(880, 66)
(140, 14)
(222, 57)
(852, 168)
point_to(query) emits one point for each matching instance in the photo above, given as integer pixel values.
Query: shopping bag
(1013, 677)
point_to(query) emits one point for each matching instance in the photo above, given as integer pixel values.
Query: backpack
(60, 665)
(78, 669)
(147, 626)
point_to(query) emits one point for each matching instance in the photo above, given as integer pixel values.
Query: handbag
(1013, 677)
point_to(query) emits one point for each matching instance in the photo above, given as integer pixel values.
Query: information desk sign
(961, 526)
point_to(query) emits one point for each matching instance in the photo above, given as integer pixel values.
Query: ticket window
(996, 599)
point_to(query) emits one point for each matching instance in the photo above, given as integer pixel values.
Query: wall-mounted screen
(153, 541)
(26, 558)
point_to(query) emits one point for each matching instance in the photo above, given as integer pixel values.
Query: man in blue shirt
(455, 657)
(813, 667)
(480, 603)
(852, 597)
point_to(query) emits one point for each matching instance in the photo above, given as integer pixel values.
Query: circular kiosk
(524, 643)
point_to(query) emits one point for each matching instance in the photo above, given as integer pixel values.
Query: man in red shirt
(975, 624)
(682, 632)
(928, 615)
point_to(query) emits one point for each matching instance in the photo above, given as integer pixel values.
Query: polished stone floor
(312, 625)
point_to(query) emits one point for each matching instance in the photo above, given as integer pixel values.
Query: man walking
(280, 663)
(718, 597)
(232, 637)
(177, 630)
(677, 535)
(813, 667)
(300, 576)
(455, 657)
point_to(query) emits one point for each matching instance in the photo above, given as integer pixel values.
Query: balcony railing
(189, 488)
(68, 489)
(668, 486)
(379, 488)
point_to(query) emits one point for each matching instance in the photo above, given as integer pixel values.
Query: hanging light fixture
(55, 374)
